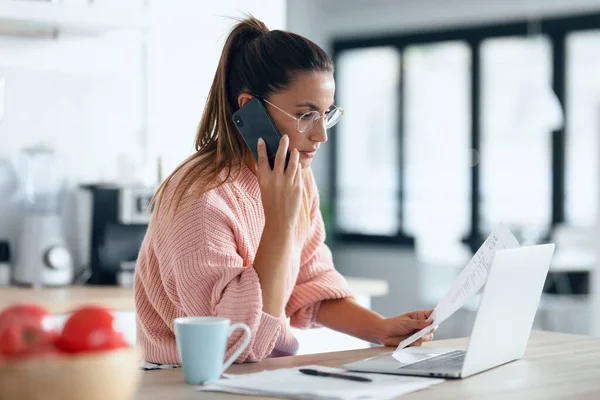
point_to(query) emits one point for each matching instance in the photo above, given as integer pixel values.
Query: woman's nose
(319, 132)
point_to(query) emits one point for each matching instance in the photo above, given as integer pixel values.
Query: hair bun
(251, 28)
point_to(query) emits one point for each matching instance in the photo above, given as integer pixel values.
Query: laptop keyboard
(447, 361)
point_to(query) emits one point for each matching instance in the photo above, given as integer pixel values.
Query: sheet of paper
(470, 280)
(291, 384)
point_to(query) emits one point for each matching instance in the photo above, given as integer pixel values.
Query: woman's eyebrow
(312, 106)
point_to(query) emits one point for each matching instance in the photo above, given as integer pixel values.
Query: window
(367, 167)
(437, 152)
(471, 124)
(583, 127)
(516, 165)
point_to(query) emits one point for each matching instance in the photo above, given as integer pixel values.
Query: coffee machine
(117, 220)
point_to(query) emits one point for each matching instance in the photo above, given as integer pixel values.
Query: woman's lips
(308, 154)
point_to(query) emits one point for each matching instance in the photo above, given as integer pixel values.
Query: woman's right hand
(281, 191)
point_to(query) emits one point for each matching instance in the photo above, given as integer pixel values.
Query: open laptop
(502, 325)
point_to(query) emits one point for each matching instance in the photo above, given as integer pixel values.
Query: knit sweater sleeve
(317, 280)
(212, 281)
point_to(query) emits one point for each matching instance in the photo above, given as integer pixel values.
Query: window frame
(556, 29)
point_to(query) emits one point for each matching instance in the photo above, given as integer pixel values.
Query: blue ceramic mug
(201, 344)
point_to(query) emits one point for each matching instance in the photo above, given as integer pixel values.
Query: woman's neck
(251, 163)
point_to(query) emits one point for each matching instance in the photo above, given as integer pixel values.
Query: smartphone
(253, 122)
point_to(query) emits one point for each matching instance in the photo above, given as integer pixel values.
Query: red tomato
(26, 329)
(91, 328)
(11, 340)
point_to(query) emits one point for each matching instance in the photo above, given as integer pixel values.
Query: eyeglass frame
(299, 119)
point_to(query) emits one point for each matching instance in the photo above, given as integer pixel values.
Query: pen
(314, 372)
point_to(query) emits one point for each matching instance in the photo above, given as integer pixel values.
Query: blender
(42, 256)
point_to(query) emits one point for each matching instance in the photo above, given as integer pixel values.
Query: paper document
(289, 383)
(470, 280)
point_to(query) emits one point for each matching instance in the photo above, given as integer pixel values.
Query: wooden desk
(555, 366)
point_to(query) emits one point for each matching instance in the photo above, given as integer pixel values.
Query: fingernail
(261, 141)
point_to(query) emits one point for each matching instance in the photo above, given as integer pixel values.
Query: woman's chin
(305, 163)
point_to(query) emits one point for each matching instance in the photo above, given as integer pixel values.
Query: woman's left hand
(396, 329)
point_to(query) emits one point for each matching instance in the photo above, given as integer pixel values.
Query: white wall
(84, 95)
(80, 96)
(188, 39)
(595, 277)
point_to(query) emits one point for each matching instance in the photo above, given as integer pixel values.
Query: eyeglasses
(308, 120)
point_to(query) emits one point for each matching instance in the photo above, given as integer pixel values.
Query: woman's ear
(243, 99)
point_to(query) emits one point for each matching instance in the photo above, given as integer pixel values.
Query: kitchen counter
(64, 299)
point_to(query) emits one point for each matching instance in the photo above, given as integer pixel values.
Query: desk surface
(65, 299)
(555, 366)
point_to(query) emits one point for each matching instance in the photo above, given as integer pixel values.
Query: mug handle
(243, 346)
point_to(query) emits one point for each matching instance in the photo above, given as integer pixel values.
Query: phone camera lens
(239, 122)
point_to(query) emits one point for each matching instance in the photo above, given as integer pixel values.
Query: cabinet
(34, 18)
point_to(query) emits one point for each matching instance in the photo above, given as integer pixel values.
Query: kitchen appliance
(5, 269)
(42, 256)
(115, 219)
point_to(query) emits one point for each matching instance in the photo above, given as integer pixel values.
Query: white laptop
(502, 325)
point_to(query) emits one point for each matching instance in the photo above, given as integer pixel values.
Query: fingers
(424, 339)
(418, 319)
(395, 341)
(408, 324)
(299, 177)
(263, 160)
(420, 314)
(292, 168)
(419, 324)
(281, 154)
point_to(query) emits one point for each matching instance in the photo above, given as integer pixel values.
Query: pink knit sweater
(200, 264)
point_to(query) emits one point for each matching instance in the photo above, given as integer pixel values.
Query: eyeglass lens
(309, 120)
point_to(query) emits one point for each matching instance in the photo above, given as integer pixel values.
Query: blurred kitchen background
(459, 114)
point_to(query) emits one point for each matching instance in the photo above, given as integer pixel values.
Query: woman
(233, 238)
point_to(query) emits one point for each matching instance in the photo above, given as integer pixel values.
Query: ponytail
(254, 60)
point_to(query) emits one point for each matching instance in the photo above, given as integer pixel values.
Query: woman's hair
(254, 60)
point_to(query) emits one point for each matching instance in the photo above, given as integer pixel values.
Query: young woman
(233, 238)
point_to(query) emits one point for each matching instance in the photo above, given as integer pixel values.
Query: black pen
(314, 372)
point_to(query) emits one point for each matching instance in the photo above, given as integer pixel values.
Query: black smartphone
(253, 121)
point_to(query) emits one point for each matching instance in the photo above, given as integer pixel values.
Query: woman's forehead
(310, 89)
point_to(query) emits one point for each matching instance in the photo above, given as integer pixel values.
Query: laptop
(502, 325)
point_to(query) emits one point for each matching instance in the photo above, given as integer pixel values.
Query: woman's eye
(306, 117)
